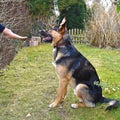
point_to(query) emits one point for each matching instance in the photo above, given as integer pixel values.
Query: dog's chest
(57, 55)
(54, 53)
(63, 51)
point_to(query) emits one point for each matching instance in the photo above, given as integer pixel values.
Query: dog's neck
(59, 44)
(66, 40)
(62, 44)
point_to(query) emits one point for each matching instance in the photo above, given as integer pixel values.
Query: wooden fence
(78, 36)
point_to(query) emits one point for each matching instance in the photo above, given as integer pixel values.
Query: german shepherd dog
(74, 69)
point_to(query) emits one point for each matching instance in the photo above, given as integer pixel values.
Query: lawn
(29, 84)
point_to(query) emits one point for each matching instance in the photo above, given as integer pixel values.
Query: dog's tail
(112, 104)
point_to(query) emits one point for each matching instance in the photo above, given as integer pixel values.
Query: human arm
(10, 34)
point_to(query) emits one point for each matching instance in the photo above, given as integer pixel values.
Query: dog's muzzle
(46, 37)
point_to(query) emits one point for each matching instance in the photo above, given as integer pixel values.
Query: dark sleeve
(2, 28)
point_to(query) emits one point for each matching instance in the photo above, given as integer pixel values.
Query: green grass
(29, 84)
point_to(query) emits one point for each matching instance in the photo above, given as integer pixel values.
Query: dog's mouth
(46, 37)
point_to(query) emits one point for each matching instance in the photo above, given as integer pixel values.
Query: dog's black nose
(43, 33)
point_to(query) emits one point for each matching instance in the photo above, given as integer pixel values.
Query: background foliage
(75, 13)
(74, 10)
(40, 7)
(118, 6)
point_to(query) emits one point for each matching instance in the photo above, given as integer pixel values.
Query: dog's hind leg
(61, 92)
(82, 92)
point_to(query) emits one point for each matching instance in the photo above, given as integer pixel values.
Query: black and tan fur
(74, 69)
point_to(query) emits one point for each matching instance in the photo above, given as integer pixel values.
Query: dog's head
(56, 34)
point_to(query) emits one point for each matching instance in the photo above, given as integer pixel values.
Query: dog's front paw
(52, 105)
(75, 106)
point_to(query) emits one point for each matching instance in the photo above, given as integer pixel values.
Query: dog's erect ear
(63, 22)
(62, 27)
